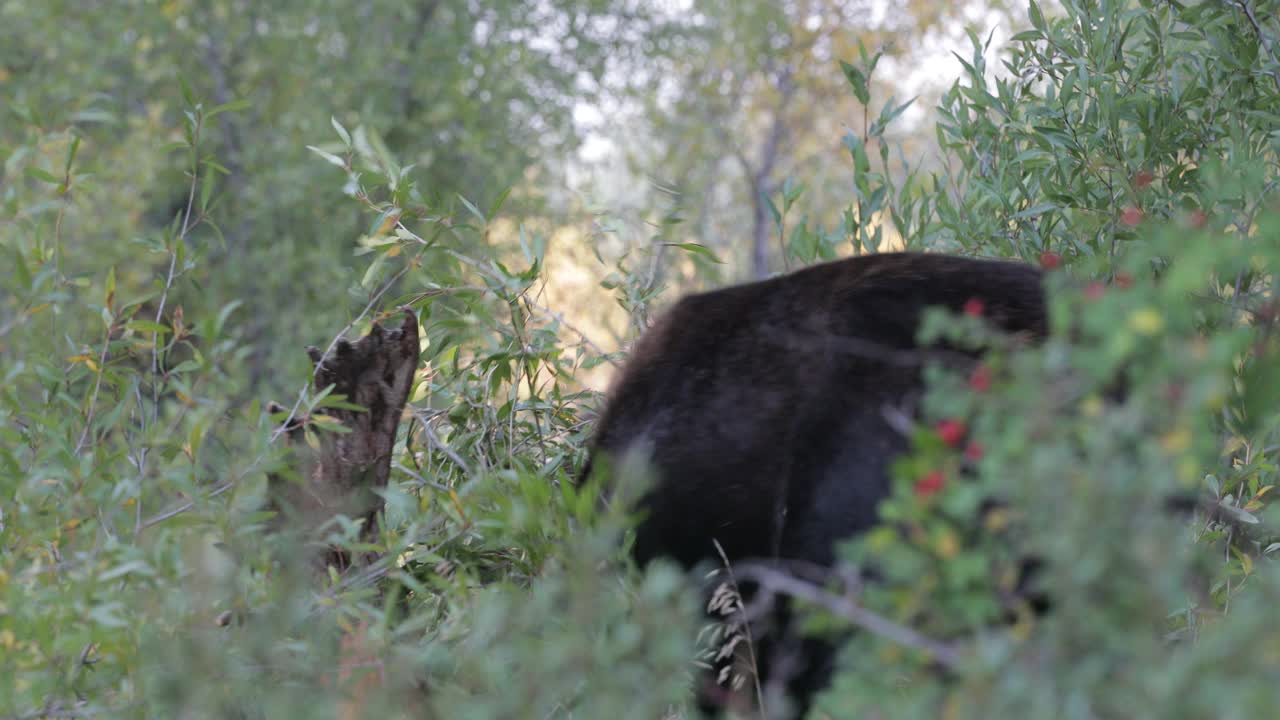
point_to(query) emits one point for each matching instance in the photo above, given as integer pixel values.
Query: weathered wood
(339, 472)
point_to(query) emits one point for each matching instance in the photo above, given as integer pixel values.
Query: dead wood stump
(346, 455)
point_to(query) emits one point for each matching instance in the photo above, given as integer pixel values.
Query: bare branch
(772, 580)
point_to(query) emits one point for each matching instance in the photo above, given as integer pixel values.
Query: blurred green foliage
(471, 96)
(1132, 146)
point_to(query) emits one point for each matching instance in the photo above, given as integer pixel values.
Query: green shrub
(1131, 143)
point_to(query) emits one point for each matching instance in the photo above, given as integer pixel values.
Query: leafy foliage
(1129, 146)
(1119, 145)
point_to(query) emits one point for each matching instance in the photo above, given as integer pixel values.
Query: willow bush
(1131, 150)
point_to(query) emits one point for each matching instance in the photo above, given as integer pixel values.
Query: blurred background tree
(476, 97)
(717, 102)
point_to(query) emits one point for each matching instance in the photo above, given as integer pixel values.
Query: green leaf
(889, 113)
(342, 131)
(1034, 210)
(232, 106)
(475, 211)
(71, 154)
(698, 250)
(329, 423)
(43, 175)
(330, 157)
(206, 189)
(187, 96)
(497, 205)
(1036, 17)
(773, 210)
(791, 191)
(858, 81)
(340, 402)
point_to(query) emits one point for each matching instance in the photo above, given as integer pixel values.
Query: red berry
(1050, 260)
(973, 452)
(951, 431)
(1143, 179)
(1094, 290)
(930, 484)
(1131, 217)
(1124, 280)
(1199, 219)
(980, 378)
(974, 307)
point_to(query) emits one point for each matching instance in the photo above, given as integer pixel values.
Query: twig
(773, 580)
(179, 509)
(1262, 38)
(97, 385)
(422, 480)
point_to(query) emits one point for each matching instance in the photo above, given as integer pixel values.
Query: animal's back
(764, 409)
(762, 406)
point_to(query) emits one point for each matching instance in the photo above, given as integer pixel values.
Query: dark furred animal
(765, 408)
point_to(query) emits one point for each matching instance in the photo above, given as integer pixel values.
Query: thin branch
(97, 385)
(173, 264)
(1262, 38)
(183, 507)
(417, 477)
(776, 581)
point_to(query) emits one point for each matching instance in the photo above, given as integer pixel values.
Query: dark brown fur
(764, 408)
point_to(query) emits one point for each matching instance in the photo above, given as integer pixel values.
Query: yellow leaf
(881, 539)
(1091, 406)
(387, 224)
(1146, 321)
(1176, 440)
(947, 545)
(457, 503)
(996, 520)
